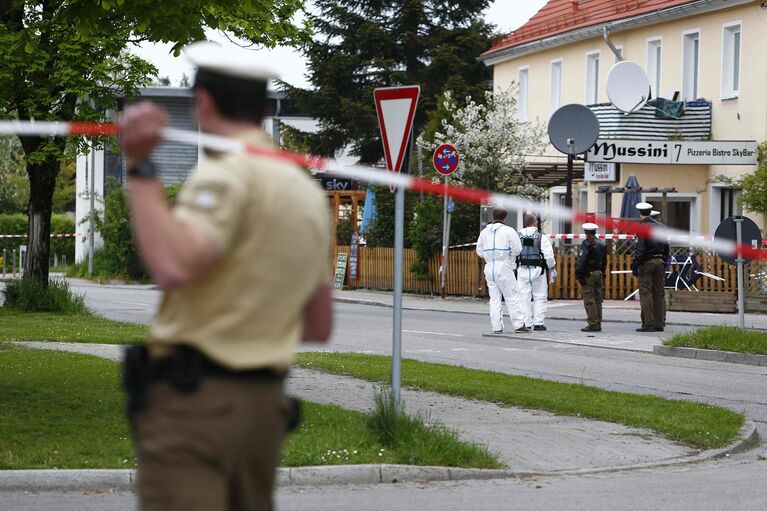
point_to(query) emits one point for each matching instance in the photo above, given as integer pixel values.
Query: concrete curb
(360, 301)
(123, 480)
(715, 355)
(528, 337)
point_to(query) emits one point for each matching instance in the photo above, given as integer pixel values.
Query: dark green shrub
(26, 294)
(17, 224)
(114, 226)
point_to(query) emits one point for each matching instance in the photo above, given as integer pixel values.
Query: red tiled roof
(560, 16)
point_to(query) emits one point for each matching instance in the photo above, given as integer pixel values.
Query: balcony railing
(694, 123)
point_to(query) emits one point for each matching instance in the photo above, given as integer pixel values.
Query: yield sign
(396, 108)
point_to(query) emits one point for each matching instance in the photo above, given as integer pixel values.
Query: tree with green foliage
(754, 185)
(68, 59)
(360, 45)
(493, 143)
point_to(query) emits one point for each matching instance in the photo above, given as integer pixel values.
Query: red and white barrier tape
(371, 175)
(66, 235)
(582, 236)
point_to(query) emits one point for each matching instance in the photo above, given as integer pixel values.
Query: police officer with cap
(649, 266)
(206, 396)
(590, 273)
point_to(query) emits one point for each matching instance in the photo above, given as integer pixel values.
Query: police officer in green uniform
(649, 266)
(243, 263)
(590, 273)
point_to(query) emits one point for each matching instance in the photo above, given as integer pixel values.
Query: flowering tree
(492, 142)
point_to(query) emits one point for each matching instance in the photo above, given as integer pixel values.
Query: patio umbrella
(631, 199)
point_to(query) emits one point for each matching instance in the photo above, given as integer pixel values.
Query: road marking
(141, 304)
(462, 349)
(432, 333)
(422, 351)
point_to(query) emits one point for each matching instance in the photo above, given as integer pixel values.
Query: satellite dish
(628, 87)
(573, 129)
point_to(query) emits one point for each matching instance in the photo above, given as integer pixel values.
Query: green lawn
(698, 425)
(46, 326)
(722, 338)
(64, 410)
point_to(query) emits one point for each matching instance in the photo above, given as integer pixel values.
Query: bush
(26, 294)
(17, 224)
(119, 257)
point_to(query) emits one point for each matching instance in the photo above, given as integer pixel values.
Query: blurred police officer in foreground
(240, 294)
(590, 273)
(649, 266)
(499, 245)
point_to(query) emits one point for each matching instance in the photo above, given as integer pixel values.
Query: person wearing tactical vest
(533, 264)
(498, 244)
(590, 273)
(649, 266)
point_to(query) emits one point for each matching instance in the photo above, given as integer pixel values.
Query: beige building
(708, 50)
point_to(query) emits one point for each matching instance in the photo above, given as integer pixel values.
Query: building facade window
(524, 93)
(690, 65)
(682, 210)
(654, 49)
(592, 78)
(731, 60)
(556, 86)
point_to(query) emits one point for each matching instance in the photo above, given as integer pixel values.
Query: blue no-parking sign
(446, 159)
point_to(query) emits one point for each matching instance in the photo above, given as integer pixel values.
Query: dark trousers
(592, 291)
(651, 277)
(214, 449)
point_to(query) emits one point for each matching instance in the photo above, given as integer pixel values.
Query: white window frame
(583, 199)
(555, 89)
(556, 198)
(715, 199)
(592, 78)
(523, 101)
(728, 90)
(656, 199)
(654, 64)
(690, 90)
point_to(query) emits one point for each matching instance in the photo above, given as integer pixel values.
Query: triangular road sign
(396, 109)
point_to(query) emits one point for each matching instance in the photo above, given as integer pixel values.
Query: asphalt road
(735, 482)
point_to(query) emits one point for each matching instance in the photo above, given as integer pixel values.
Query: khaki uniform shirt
(272, 224)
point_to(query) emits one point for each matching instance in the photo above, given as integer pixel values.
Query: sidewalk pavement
(528, 442)
(614, 311)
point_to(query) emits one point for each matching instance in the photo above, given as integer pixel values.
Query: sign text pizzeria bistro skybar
(715, 152)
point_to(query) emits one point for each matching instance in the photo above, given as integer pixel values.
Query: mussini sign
(679, 152)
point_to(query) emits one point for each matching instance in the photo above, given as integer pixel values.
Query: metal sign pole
(91, 226)
(741, 292)
(399, 248)
(399, 236)
(443, 273)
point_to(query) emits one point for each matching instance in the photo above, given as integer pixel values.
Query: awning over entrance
(552, 173)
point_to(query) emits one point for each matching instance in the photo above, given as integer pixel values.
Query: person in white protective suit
(534, 259)
(499, 245)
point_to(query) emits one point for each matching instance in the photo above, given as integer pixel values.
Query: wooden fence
(465, 275)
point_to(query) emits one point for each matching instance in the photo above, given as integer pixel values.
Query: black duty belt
(187, 364)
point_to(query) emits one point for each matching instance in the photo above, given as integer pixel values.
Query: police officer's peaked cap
(590, 227)
(229, 62)
(644, 206)
(654, 213)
